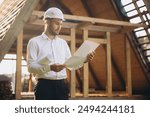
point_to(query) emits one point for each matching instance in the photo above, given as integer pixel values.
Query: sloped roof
(13, 15)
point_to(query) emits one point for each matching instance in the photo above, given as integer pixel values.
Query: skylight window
(125, 2)
(141, 33)
(129, 7)
(140, 3)
(135, 20)
(137, 12)
(143, 9)
(132, 13)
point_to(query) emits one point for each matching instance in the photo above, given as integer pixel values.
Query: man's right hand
(57, 67)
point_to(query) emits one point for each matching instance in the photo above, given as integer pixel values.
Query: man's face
(54, 26)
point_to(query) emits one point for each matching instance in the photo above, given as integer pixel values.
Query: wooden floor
(30, 96)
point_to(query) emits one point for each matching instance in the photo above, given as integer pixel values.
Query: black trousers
(51, 90)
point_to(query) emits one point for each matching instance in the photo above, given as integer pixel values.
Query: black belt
(42, 79)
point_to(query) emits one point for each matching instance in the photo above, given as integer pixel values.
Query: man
(46, 55)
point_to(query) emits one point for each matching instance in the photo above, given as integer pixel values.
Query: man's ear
(47, 21)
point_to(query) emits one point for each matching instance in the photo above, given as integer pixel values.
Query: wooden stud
(128, 69)
(86, 70)
(19, 65)
(30, 83)
(109, 72)
(73, 76)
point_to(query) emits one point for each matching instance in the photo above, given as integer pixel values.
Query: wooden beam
(73, 75)
(128, 69)
(102, 21)
(41, 4)
(95, 20)
(86, 25)
(9, 16)
(104, 28)
(82, 25)
(64, 6)
(85, 70)
(18, 88)
(17, 25)
(87, 8)
(98, 40)
(71, 5)
(30, 83)
(109, 71)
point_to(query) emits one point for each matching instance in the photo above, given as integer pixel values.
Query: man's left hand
(90, 56)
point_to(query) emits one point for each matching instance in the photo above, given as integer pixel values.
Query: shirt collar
(46, 37)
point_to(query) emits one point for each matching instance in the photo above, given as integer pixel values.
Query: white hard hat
(53, 12)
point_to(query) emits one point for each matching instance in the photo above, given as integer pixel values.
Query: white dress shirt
(43, 52)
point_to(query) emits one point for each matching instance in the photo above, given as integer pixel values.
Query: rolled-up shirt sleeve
(32, 60)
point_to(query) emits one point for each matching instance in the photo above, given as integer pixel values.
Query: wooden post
(85, 72)
(30, 83)
(128, 69)
(109, 72)
(19, 65)
(73, 78)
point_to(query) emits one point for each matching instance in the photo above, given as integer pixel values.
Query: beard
(54, 32)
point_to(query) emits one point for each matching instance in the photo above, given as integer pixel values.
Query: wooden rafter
(41, 4)
(16, 26)
(96, 20)
(65, 8)
(96, 81)
(87, 8)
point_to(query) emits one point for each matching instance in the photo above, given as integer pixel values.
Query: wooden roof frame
(18, 24)
(82, 22)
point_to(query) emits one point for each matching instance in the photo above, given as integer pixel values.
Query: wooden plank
(3, 30)
(95, 20)
(30, 83)
(102, 21)
(41, 4)
(7, 4)
(10, 15)
(75, 25)
(98, 40)
(82, 25)
(85, 70)
(128, 69)
(7, 19)
(73, 76)
(87, 8)
(19, 66)
(66, 37)
(109, 72)
(104, 28)
(16, 26)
